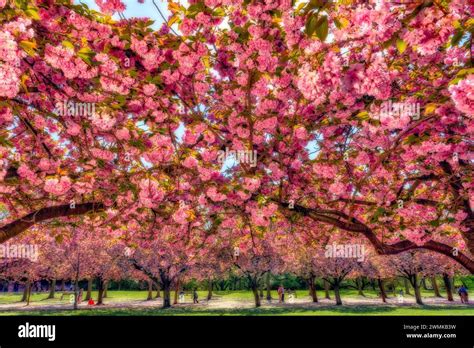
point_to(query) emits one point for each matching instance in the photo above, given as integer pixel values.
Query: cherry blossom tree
(236, 122)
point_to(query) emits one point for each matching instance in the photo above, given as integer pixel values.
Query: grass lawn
(246, 297)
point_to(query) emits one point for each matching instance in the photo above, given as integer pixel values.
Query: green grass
(244, 296)
(323, 311)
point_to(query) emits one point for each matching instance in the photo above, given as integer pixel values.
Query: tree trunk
(166, 295)
(106, 285)
(28, 294)
(269, 286)
(337, 294)
(256, 295)
(100, 288)
(261, 292)
(209, 289)
(25, 292)
(175, 301)
(312, 289)
(435, 286)
(359, 286)
(150, 291)
(447, 285)
(89, 289)
(158, 295)
(407, 286)
(326, 290)
(76, 293)
(423, 283)
(382, 290)
(416, 286)
(372, 284)
(52, 288)
(63, 285)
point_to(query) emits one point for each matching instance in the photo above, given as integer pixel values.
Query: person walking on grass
(281, 294)
(462, 291)
(195, 296)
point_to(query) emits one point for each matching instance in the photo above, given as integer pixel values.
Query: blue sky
(135, 9)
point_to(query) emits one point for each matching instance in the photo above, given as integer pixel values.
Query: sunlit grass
(138, 298)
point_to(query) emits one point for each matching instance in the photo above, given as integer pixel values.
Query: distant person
(281, 294)
(91, 302)
(195, 296)
(462, 291)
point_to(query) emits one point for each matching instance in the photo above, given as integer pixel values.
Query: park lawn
(136, 295)
(245, 296)
(332, 310)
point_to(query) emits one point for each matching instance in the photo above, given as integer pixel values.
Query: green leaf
(33, 13)
(322, 28)
(29, 47)
(401, 46)
(68, 44)
(86, 54)
(457, 37)
(378, 213)
(412, 139)
(363, 115)
(464, 72)
(5, 142)
(311, 23)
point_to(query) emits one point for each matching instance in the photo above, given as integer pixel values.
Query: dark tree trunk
(28, 293)
(100, 288)
(52, 288)
(337, 293)
(261, 292)
(89, 290)
(269, 286)
(63, 285)
(150, 291)
(106, 285)
(326, 290)
(166, 295)
(25, 292)
(209, 289)
(383, 294)
(435, 286)
(447, 285)
(359, 286)
(312, 289)
(256, 295)
(416, 286)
